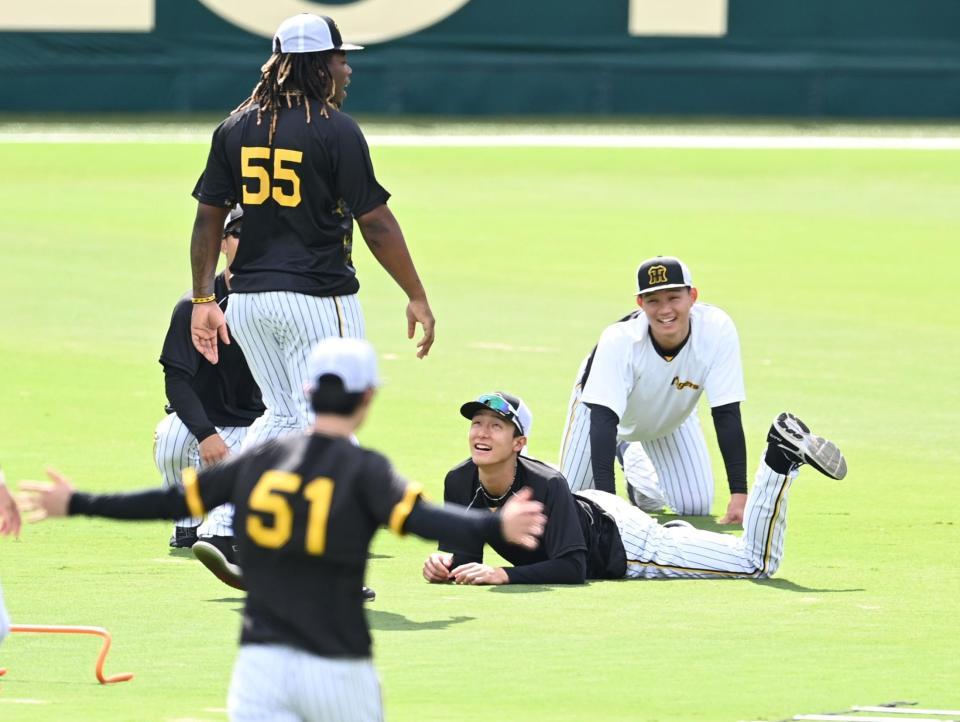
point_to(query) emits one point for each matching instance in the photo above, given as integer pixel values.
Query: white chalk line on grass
(523, 140)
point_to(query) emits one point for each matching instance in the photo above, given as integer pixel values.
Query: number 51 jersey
(307, 506)
(299, 194)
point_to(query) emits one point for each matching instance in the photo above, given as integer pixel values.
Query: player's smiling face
(492, 440)
(668, 312)
(341, 71)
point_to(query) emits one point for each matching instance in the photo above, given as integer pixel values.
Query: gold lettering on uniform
(683, 384)
(657, 274)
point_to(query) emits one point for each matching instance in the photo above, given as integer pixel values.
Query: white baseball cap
(506, 405)
(309, 33)
(352, 360)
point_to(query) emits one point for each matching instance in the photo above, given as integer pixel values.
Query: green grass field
(839, 267)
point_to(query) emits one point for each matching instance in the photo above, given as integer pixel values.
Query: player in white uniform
(636, 395)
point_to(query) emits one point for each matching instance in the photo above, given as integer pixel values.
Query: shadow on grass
(522, 588)
(788, 586)
(391, 621)
(182, 553)
(707, 523)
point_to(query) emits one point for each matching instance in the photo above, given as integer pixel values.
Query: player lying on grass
(307, 506)
(591, 534)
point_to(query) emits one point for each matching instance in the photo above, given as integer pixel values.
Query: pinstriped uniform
(654, 551)
(278, 683)
(176, 449)
(672, 471)
(664, 451)
(277, 330)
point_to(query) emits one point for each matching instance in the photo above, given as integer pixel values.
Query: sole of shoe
(822, 454)
(214, 560)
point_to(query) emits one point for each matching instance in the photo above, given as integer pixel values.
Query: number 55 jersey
(300, 194)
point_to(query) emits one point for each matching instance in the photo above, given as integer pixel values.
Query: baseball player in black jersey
(593, 534)
(307, 506)
(209, 406)
(302, 171)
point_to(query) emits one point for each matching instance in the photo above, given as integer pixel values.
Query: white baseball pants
(175, 449)
(654, 551)
(277, 330)
(672, 471)
(277, 683)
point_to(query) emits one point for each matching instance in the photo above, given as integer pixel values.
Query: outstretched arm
(58, 497)
(383, 236)
(521, 522)
(208, 322)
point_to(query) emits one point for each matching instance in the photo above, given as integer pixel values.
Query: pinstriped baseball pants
(175, 449)
(672, 471)
(277, 683)
(277, 330)
(654, 551)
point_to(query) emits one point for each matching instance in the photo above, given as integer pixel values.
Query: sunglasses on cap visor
(501, 406)
(232, 231)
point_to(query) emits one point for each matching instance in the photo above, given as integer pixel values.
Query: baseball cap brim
(665, 286)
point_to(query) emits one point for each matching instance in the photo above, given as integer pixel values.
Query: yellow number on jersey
(268, 497)
(263, 188)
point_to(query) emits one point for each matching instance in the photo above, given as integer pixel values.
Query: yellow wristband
(205, 299)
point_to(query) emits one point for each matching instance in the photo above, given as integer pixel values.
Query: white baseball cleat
(797, 442)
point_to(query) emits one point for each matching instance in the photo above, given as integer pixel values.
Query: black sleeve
(178, 350)
(354, 179)
(185, 402)
(568, 569)
(733, 446)
(452, 523)
(603, 446)
(456, 490)
(216, 186)
(150, 504)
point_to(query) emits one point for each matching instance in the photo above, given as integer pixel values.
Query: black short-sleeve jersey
(299, 193)
(562, 534)
(227, 391)
(307, 506)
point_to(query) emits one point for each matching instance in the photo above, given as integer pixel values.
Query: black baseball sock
(778, 459)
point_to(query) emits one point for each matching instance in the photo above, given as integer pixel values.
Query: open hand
(522, 519)
(42, 499)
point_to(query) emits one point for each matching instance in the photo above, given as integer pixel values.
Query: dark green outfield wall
(816, 58)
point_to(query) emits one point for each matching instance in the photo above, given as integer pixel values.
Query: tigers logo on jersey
(684, 384)
(657, 274)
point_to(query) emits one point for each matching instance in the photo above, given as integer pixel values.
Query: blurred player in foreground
(636, 397)
(209, 408)
(592, 534)
(307, 506)
(9, 525)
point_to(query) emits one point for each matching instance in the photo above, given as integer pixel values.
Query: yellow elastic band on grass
(191, 490)
(398, 517)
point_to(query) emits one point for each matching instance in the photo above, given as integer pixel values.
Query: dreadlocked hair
(293, 78)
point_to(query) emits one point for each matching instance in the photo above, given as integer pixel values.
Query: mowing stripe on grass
(530, 140)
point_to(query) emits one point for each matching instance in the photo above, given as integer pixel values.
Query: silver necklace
(499, 499)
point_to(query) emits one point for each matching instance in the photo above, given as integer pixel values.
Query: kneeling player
(592, 534)
(307, 506)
